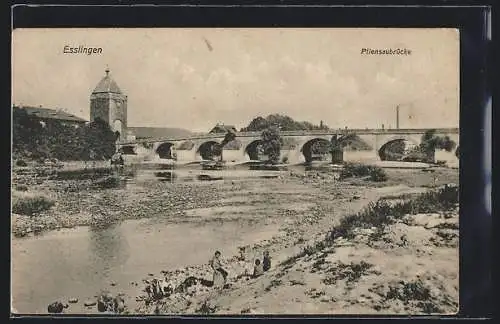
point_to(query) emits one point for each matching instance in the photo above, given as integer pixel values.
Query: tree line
(285, 123)
(35, 140)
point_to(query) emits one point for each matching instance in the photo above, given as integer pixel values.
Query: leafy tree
(28, 136)
(285, 123)
(271, 143)
(257, 124)
(216, 148)
(431, 142)
(100, 139)
(54, 139)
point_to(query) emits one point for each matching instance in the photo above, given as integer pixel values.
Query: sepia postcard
(235, 171)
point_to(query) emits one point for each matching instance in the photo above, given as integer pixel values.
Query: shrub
(21, 163)
(354, 170)
(271, 143)
(352, 272)
(30, 204)
(406, 291)
(361, 170)
(378, 175)
(284, 160)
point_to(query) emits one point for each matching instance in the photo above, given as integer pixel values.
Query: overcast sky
(195, 78)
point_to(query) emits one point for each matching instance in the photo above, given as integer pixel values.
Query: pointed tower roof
(107, 85)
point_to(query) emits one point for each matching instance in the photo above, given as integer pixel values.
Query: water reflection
(109, 246)
(166, 176)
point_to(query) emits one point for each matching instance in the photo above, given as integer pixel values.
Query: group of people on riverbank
(220, 274)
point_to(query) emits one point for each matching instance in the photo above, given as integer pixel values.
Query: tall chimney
(397, 117)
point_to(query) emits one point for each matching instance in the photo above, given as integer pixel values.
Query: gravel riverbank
(304, 206)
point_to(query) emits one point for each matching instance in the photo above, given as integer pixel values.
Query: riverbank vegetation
(34, 140)
(382, 213)
(285, 123)
(29, 204)
(397, 150)
(373, 173)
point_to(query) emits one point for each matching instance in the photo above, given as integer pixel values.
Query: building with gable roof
(47, 115)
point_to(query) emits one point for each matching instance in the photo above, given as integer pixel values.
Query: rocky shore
(78, 206)
(373, 272)
(409, 267)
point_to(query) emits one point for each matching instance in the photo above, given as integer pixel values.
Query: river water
(82, 261)
(79, 262)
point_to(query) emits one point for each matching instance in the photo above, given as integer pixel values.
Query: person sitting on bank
(266, 262)
(216, 265)
(258, 269)
(241, 256)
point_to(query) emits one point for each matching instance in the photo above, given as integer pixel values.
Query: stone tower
(108, 103)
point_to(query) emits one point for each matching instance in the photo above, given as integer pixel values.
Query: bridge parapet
(295, 133)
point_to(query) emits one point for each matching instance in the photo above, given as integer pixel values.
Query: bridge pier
(292, 152)
(361, 156)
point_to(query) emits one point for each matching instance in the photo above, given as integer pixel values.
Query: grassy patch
(351, 272)
(29, 204)
(379, 214)
(406, 291)
(383, 212)
(373, 173)
(308, 250)
(21, 163)
(414, 293)
(274, 283)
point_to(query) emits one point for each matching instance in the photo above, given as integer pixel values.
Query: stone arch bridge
(297, 144)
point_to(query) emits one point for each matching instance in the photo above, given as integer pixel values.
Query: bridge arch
(207, 150)
(254, 150)
(401, 140)
(316, 149)
(166, 150)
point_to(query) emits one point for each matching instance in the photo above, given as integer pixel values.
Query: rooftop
(107, 85)
(46, 113)
(221, 128)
